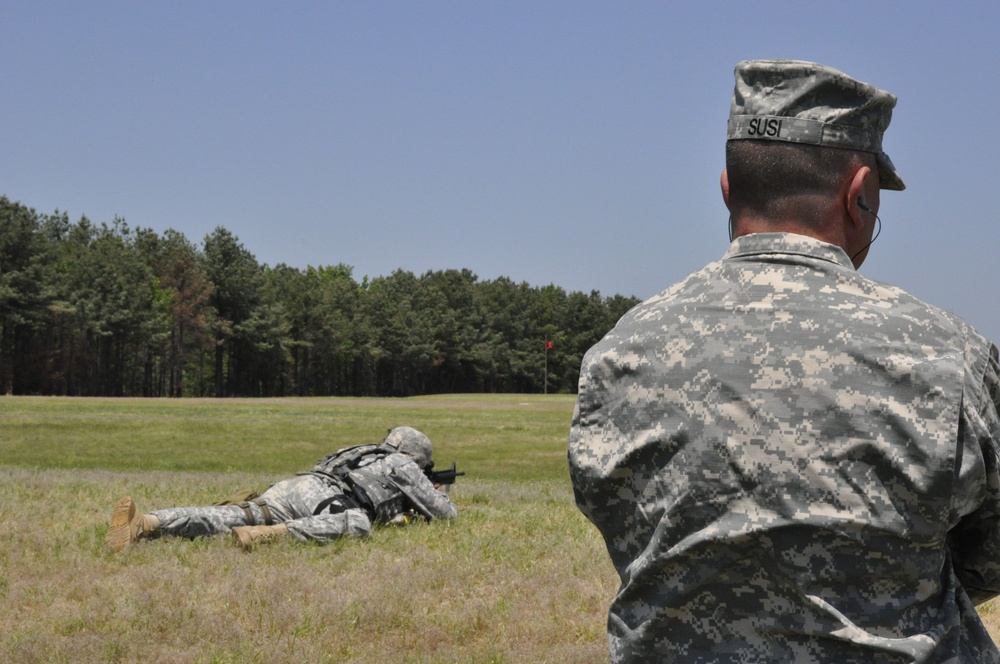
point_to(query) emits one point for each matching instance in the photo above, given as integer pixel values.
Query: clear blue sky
(574, 143)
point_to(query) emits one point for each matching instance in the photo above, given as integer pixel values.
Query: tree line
(107, 310)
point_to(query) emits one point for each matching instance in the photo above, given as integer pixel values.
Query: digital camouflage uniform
(319, 506)
(790, 462)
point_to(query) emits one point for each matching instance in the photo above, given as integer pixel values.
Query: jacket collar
(784, 244)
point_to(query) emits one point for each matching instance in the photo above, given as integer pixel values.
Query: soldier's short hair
(771, 179)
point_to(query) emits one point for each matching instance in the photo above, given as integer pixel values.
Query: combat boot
(247, 537)
(128, 525)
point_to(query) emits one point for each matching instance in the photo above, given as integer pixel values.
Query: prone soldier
(344, 494)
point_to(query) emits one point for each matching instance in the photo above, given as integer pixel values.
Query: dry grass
(990, 613)
(518, 578)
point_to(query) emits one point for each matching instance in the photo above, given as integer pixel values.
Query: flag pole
(545, 385)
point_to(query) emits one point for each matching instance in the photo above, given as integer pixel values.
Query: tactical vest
(351, 469)
(372, 489)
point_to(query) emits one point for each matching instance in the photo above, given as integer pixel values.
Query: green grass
(282, 435)
(520, 576)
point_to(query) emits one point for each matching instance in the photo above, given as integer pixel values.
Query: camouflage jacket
(790, 462)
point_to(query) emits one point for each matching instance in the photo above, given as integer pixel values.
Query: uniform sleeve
(420, 491)
(975, 541)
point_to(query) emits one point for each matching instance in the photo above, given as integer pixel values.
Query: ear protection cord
(878, 229)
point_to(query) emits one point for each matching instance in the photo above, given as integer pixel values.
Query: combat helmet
(409, 441)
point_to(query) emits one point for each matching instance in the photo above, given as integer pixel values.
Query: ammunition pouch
(382, 500)
(361, 489)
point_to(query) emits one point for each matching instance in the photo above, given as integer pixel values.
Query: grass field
(520, 576)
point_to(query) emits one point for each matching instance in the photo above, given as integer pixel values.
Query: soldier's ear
(724, 183)
(854, 195)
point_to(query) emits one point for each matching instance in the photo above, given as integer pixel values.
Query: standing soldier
(790, 462)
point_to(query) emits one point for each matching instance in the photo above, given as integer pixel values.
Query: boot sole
(120, 534)
(243, 539)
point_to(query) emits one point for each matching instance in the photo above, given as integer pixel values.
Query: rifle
(443, 477)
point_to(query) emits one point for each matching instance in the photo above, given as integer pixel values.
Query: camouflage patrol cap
(409, 441)
(806, 102)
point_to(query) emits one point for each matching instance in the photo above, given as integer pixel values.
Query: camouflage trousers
(290, 501)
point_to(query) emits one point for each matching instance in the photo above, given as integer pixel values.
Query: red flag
(548, 345)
